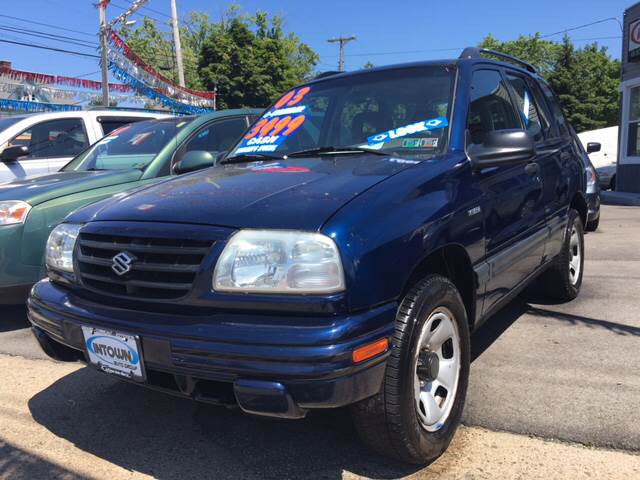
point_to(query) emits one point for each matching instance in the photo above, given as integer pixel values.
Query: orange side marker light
(370, 350)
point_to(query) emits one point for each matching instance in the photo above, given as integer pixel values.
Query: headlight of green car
(13, 211)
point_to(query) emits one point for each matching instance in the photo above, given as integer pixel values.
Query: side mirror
(11, 154)
(194, 160)
(502, 147)
(593, 147)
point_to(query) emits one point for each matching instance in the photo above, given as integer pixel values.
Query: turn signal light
(370, 350)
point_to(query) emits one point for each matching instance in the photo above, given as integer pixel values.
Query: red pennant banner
(42, 78)
(117, 42)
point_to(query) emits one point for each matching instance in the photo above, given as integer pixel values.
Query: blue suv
(339, 254)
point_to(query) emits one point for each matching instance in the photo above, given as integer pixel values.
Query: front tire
(418, 409)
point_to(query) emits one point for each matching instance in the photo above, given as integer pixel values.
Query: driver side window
(490, 106)
(55, 138)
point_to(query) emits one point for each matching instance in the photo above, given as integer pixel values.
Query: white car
(40, 143)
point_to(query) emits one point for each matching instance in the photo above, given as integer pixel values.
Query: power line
(47, 36)
(137, 13)
(93, 35)
(584, 26)
(60, 50)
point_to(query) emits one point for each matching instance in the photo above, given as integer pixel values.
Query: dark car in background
(607, 177)
(341, 254)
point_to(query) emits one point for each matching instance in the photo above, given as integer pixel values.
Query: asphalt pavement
(566, 372)
(569, 371)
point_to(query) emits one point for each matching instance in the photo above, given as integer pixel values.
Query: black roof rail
(328, 73)
(475, 52)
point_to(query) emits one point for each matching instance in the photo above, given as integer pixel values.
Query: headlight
(59, 255)
(272, 261)
(13, 211)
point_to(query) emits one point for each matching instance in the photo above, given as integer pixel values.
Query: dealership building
(628, 172)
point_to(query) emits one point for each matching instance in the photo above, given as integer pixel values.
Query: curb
(627, 199)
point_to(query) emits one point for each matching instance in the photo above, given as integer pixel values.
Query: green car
(132, 156)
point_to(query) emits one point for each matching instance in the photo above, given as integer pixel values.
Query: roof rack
(328, 73)
(475, 52)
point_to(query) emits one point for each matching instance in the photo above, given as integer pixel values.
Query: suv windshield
(132, 146)
(404, 110)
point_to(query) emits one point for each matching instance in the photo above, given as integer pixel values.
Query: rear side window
(532, 116)
(556, 110)
(55, 138)
(109, 124)
(490, 107)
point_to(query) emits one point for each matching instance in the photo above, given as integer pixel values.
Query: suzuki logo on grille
(122, 262)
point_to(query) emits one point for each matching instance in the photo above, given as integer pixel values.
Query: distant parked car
(607, 177)
(35, 144)
(129, 157)
(592, 193)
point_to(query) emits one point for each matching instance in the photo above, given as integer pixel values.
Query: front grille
(163, 268)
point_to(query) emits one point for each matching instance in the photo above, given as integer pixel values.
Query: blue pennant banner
(142, 89)
(25, 106)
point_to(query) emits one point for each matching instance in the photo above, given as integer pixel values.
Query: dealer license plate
(114, 352)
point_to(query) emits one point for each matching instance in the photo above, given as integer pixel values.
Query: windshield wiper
(335, 150)
(249, 157)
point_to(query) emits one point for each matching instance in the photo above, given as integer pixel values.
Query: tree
(587, 83)
(251, 61)
(586, 80)
(368, 65)
(155, 46)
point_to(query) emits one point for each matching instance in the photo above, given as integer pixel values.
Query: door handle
(531, 168)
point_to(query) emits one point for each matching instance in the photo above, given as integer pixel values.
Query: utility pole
(176, 42)
(102, 7)
(342, 41)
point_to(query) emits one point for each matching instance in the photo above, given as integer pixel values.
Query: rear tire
(418, 409)
(563, 279)
(593, 225)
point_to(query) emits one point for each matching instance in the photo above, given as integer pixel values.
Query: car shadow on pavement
(18, 464)
(13, 317)
(531, 302)
(169, 437)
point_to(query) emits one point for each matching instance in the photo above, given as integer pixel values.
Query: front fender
(386, 232)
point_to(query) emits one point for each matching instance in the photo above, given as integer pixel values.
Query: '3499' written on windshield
(282, 120)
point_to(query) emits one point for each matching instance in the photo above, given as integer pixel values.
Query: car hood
(293, 194)
(41, 188)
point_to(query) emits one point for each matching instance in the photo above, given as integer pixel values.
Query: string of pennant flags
(139, 82)
(121, 57)
(46, 79)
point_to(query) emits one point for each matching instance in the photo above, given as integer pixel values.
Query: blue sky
(387, 31)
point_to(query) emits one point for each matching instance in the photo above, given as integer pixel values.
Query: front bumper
(267, 364)
(17, 274)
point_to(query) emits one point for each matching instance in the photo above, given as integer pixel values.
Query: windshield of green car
(133, 146)
(400, 110)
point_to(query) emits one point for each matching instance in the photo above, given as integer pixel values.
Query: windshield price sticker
(282, 120)
(399, 132)
(285, 111)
